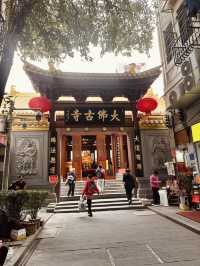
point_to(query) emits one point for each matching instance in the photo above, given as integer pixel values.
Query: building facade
(87, 126)
(178, 24)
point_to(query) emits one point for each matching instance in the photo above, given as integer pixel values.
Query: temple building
(93, 120)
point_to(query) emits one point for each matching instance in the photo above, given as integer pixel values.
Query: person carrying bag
(89, 189)
(82, 204)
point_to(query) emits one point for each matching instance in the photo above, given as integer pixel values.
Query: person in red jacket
(155, 183)
(89, 189)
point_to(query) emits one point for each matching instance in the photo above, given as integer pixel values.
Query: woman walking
(89, 189)
(155, 183)
(100, 174)
(71, 183)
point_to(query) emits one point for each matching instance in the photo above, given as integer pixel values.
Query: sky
(106, 64)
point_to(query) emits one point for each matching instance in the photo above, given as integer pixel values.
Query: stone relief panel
(27, 156)
(156, 151)
(160, 152)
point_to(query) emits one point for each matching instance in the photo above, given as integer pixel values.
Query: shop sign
(53, 179)
(170, 168)
(196, 132)
(102, 116)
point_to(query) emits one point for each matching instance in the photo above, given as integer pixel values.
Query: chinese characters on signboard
(112, 116)
(52, 154)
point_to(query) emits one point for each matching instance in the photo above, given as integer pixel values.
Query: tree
(55, 29)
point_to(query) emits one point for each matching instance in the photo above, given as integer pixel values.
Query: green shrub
(15, 202)
(35, 201)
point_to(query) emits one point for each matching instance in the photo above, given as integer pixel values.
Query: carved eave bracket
(25, 124)
(152, 122)
(106, 96)
(80, 97)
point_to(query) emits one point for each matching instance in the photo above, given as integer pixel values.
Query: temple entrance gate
(83, 151)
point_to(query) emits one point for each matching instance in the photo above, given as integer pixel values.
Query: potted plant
(36, 199)
(15, 203)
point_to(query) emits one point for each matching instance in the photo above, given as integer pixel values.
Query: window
(185, 23)
(169, 41)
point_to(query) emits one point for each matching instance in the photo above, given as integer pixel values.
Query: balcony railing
(187, 41)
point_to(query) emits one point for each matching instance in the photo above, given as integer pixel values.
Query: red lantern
(53, 179)
(41, 103)
(146, 105)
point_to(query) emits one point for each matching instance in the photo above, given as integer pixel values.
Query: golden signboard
(196, 132)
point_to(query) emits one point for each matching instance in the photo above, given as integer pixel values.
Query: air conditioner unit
(186, 68)
(188, 83)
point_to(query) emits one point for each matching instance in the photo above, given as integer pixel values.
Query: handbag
(82, 204)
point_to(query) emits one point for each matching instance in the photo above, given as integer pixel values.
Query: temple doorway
(83, 152)
(88, 155)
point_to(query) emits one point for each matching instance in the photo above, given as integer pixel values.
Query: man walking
(129, 184)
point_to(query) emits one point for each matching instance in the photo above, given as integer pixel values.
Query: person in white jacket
(100, 174)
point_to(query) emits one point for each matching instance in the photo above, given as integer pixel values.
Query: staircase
(113, 198)
(114, 187)
(99, 204)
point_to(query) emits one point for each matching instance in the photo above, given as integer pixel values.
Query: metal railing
(188, 40)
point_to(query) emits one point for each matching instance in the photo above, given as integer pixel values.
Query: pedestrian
(89, 189)
(155, 183)
(129, 184)
(19, 184)
(100, 174)
(71, 179)
(3, 253)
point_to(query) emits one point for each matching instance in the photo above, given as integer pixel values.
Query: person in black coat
(19, 184)
(3, 254)
(129, 184)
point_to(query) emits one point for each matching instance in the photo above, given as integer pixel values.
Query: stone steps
(111, 187)
(105, 204)
(113, 198)
(104, 196)
(116, 208)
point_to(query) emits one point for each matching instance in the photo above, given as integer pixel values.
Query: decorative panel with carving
(156, 151)
(27, 156)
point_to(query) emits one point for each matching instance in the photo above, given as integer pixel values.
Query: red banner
(196, 198)
(53, 179)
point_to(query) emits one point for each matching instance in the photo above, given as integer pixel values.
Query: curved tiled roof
(56, 83)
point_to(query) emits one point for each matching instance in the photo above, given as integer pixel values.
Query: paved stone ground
(120, 238)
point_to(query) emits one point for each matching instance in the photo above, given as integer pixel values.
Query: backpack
(99, 174)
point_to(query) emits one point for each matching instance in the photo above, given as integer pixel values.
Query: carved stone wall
(156, 151)
(29, 157)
